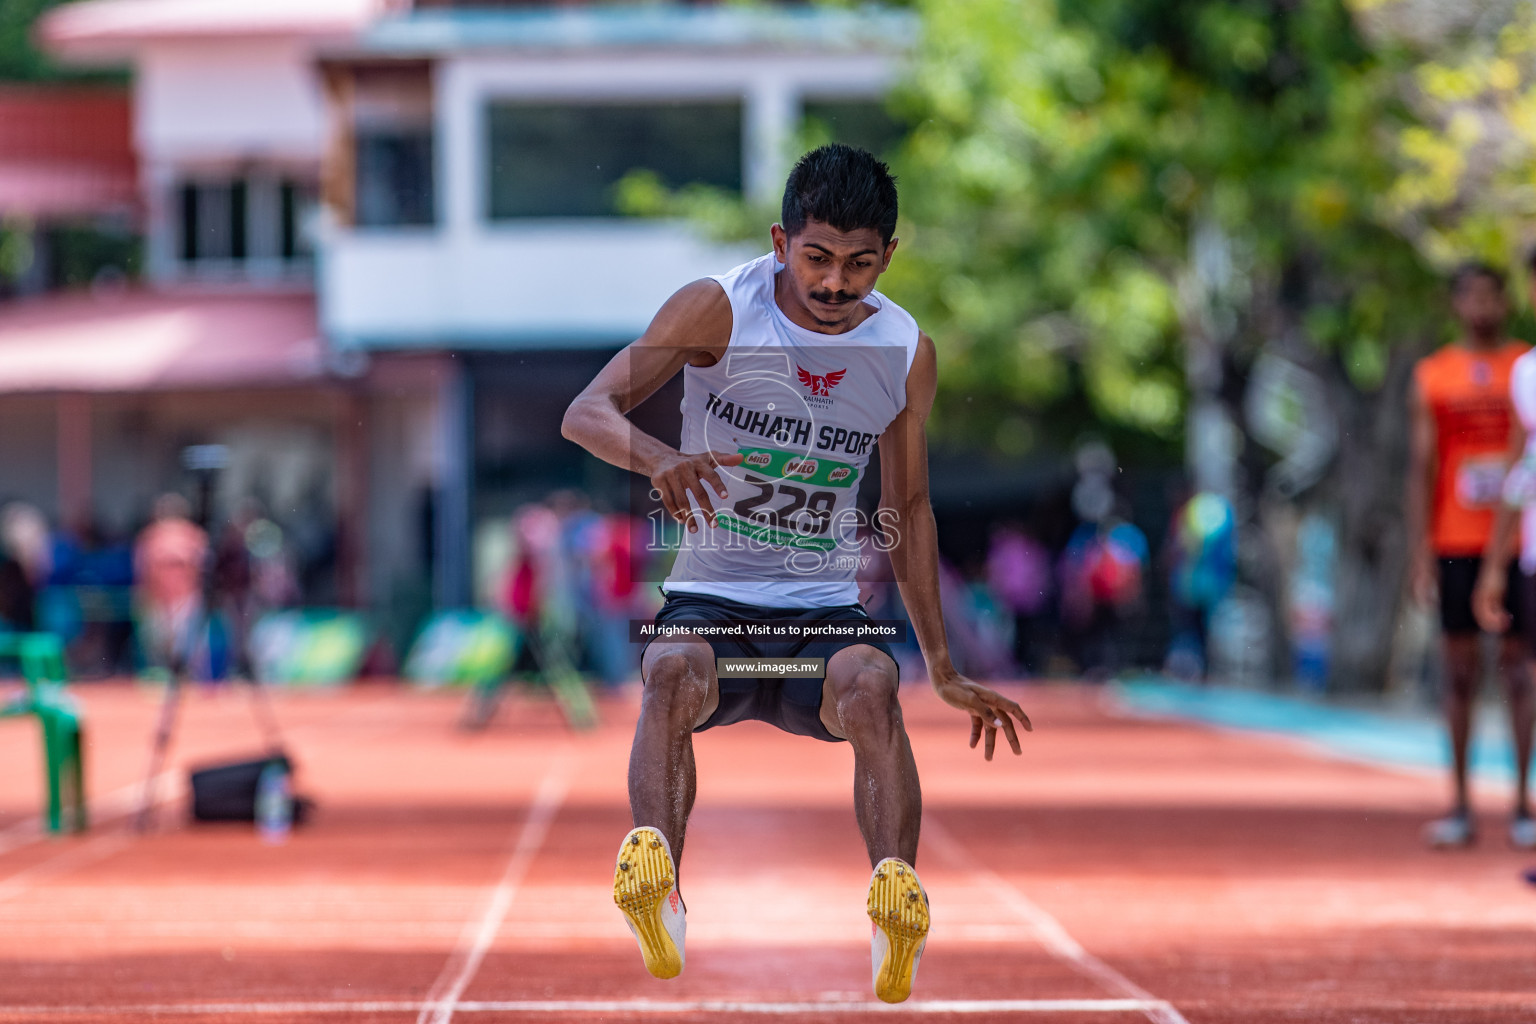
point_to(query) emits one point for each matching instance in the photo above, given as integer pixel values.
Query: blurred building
(384, 246)
(67, 170)
(205, 332)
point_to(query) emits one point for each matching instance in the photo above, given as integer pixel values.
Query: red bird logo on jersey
(820, 385)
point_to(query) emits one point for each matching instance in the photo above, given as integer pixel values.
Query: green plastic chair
(41, 657)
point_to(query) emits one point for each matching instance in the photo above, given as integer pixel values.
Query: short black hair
(1473, 269)
(841, 186)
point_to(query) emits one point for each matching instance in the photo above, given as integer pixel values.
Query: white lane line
(116, 804)
(476, 939)
(1047, 929)
(938, 1007)
(98, 848)
(171, 784)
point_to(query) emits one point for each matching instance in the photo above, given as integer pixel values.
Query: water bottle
(274, 803)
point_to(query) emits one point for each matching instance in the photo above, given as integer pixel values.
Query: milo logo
(758, 459)
(800, 467)
(839, 474)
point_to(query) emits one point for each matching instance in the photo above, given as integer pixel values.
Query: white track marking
(170, 785)
(89, 852)
(115, 804)
(443, 996)
(937, 1007)
(1047, 929)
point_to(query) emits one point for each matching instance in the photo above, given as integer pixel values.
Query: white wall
(545, 284)
(218, 100)
(470, 280)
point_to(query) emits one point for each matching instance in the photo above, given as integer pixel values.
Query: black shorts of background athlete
(1458, 578)
(793, 705)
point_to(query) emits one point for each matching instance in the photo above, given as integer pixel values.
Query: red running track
(1121, 870)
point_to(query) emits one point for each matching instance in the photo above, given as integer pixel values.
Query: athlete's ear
(780, 243)
(890, 249)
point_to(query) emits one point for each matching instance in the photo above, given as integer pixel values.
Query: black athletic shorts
(793, 705)
(1458, 578)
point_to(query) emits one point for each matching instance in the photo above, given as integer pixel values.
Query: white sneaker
(1450, 833)
(1522, 833)
(645, 889)
(898, 914)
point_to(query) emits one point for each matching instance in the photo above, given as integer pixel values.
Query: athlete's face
(828, 273)
(1481, 306)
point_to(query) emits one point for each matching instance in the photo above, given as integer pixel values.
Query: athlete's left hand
(989, 710)
(1488, 600)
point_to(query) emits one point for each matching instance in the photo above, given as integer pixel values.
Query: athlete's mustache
(834, 297)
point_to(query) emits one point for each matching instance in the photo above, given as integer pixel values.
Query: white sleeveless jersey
(805, 410)
(1520, 484)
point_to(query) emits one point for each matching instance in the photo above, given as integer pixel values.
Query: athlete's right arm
(693, 326)
(1422, 460)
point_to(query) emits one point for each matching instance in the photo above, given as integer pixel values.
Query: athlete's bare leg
(1515, 671)
(1463, 671)
(681, 691)
(859, 704)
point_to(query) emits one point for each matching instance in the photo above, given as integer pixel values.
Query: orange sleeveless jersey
(1467, 393)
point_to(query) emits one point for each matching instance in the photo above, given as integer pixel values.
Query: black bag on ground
(227, 792)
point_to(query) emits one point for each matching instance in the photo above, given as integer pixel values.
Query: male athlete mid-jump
(793, 368)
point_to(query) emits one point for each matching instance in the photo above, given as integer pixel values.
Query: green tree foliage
(1120, 210)
(1065, 161)
(1468, 181)
(20, 61)
(77, 252)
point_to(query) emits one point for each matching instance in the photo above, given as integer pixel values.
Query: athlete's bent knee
(867, 702)
(676, 683)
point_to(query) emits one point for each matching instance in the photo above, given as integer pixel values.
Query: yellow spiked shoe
(645, 889)
(898, 912)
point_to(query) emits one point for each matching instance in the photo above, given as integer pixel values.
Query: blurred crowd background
(331, 270)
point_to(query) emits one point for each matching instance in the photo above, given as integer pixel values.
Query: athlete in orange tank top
(1461, 427)
(1467, 394)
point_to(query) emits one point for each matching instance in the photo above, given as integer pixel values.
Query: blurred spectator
(989, 626)
(1101, 574)
(608, 559)
(567, 576)
(974, 644)
(252, 575)
(169, 558)
(881, 600)
(1202, 557)
(17, 597)
(541, 597)
(274, 577)
(26, 561)
(231, 583)
(1019, 574)
(1311, 600)
(87, 600)
(25, 536)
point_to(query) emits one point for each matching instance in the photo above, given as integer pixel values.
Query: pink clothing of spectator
(168, 562)
(1019, 571)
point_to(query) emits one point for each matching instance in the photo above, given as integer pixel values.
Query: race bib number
(1480, 482)
(787, 499)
